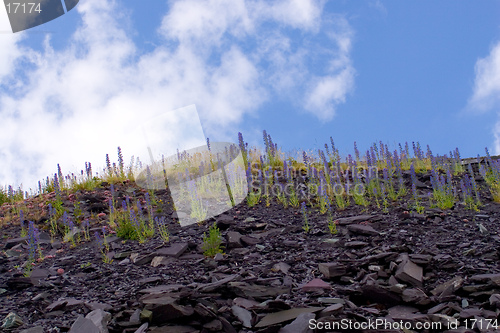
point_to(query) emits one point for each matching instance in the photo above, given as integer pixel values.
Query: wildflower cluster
(33, 246)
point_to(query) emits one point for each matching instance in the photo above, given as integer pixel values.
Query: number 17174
(31, 6)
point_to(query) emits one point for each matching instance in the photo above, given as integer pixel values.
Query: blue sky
(75, 88)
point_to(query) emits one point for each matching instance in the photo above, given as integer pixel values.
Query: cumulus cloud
(80, 102)
(486, 92)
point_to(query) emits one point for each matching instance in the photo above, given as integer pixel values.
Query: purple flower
(108, 163)
(56, 186)
(356, 151)
(266, 140)
(414, 191)
(134, 220)
(120, 159)
(21, 218)
(148, 200)
(65, 219)
(98, 239)
(111, 208)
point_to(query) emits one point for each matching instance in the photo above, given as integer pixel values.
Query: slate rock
(174, 250)
(410, 272)
(36, 329)
(234, 239)
(100, 319)
(165, 309)
(316, 284)
(362, 229)
(243, 315)
(378, 294)
(449, 287)
(11, 321)
(83, 325)
(331, 270)
(300, 324)
(283, 316)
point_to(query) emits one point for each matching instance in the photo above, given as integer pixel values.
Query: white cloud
(82, 101)
(327, 91)
(486, 92)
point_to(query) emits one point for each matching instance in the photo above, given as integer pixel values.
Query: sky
(156, 73)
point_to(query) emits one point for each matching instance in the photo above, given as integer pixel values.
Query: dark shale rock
(273, 277)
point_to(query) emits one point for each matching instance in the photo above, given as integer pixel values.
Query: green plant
(161, 225)
(253, 198)
(323, 202)
(294, 199)
(103, 248)
(88, 264)
(212, 244)
(77, 212)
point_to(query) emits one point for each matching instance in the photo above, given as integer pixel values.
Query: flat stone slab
(286, 315)
(362, 229)
(175, 250)
(316, 284)
(331, 270)
(410, 272)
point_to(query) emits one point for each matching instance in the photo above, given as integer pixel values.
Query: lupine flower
(98, 239)
(414, 191)
(249, 176)
(148, 200)
(120, 159)
(326, 149)
(65, 219)
(111, 207)
(374, 158)
(56, 186)
(124, 205)
(388, 157)
(134, 220)
(89, 170)
(208, 145)
(139, 209)
(412, 173)
(59, 172)
(369, 161)
(266, 140)
(108, 163)
(356, 151)
(21, 218)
